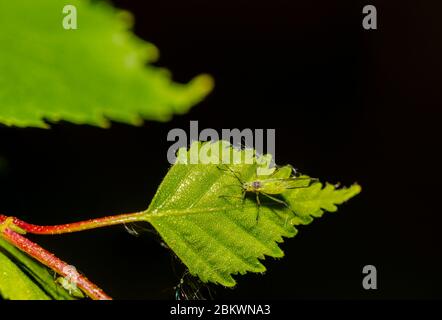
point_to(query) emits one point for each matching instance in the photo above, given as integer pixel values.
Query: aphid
(271, 187)
(69, 282)
(70, 287)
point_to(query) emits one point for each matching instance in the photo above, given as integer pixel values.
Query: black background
(348, 105)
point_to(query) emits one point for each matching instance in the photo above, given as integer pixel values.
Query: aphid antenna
(235, 174)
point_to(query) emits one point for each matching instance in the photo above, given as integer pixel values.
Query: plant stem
(77, 226)
(11, 229)
(51, 261)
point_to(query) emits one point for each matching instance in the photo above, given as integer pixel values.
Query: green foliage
(201, 215)
(98, 73)
(199, 212)
(86, 76)
(23, 278)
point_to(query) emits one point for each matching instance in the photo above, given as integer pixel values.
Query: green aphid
(273, 185)
(70, 287)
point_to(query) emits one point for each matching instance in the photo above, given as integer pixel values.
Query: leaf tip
(203, 83)
(355, 189)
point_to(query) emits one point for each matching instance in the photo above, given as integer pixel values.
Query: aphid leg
(279, 215)
(242, 197)
(279, 201)
(235, 174)
(258, 202)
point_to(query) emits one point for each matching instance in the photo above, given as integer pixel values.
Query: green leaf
(23, 278)
(199, 212)
(89, 75)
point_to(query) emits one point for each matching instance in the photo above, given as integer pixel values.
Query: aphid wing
(301, 182)
(281, 172)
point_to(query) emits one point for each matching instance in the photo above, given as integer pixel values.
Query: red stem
(76, 226)
(52, 262)
(13, 226)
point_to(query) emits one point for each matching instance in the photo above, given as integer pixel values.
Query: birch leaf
(89, 75)
(199, 212)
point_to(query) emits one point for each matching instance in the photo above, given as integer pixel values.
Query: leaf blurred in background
(88, 75)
